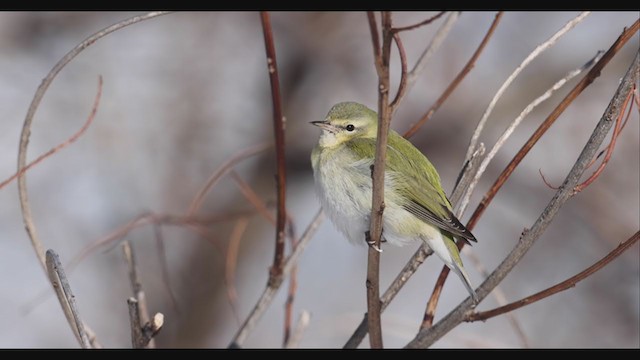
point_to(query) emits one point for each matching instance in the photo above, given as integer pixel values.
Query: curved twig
(457, 80)
(427, 337)
(534, 54)
(26, 127)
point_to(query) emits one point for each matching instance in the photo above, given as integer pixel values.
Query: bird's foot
(371, 243)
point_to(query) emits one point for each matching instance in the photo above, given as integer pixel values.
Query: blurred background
(185, 92)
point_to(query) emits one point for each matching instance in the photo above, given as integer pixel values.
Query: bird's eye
(350, 127)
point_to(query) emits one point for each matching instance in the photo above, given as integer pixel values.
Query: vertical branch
(138, 308)
(278, 128)
(377, 208)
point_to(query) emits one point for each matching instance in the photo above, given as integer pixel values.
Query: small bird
(416, 207)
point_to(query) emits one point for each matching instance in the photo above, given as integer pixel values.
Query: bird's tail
(447, 251)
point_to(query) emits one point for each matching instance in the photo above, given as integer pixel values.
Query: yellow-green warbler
(416, 207)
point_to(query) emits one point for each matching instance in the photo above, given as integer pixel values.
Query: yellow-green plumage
(416, 207)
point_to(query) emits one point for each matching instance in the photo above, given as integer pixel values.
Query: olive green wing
(419, 184)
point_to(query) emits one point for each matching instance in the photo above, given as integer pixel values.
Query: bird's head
(346, 121)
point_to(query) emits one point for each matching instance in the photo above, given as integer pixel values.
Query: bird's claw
(372, 244)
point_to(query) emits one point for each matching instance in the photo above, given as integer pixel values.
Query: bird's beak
(324, 125)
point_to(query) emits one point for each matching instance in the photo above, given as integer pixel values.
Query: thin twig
(402, 88)
(610, 147)
(197, 201)
(375, 38)
(457, 80)
(62, 288)
(594, 72)
(271, 289)
(501, 299)
(534, 54)
(164, 266)
(26, 127)
(252, 197)
(231, 261)
(142, 308)
(275, 273)
(301, 326)
(431, 49)
(567, 284)
(421, 23)
(69, 141)
(427, 337)
(589, 78)
(291, 293)
(516, 122)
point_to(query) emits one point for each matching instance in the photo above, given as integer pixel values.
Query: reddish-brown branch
(567, 284)
(544, 180)
(421, 23)
(429, 313)
(278, 129)
(457, 80)
(252, 197)
(609, 150)
(197, 201)
(375, 38)
(402, 88)
(577, 90)
(569, 98)
(377, 206)
(69, 141)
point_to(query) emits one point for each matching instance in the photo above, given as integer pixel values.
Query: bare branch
(546, 124)
(293, 287)
(141, 307)
(271, 289)
(514, 124)
(437, 40)
(164, 266)
(26, 127)
(62, 288)
(252, 197)
(275, 273)
(420, 24)
(231, 261)
(534, 54)
(223, 170)
(301, 326)
(427, 337)
(377, 207)
(610, 147)
(457, 80)
(567, 284)
(69, 141)
(403, 74)
(375, 39)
